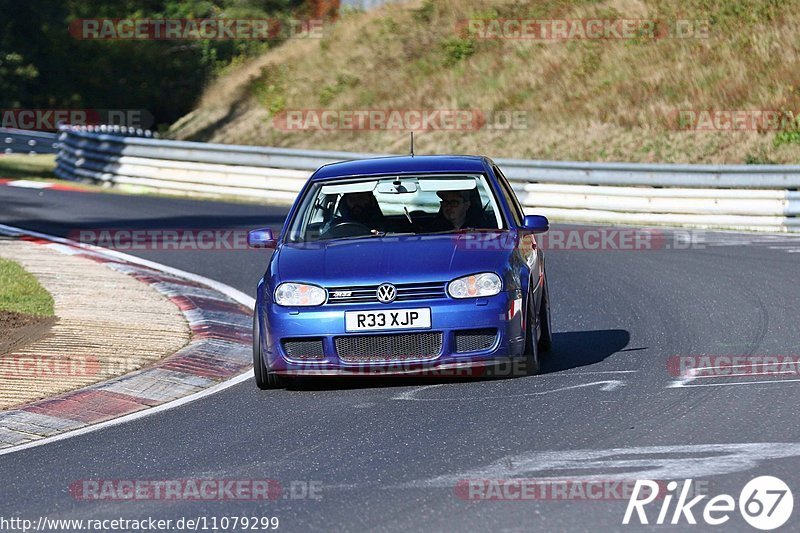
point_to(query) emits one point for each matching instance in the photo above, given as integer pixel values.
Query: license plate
(394, 319)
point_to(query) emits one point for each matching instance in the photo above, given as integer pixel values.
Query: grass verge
(20, 292)
(23, 166)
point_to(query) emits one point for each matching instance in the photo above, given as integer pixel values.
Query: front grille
(474, 340)
(368, 293)
(304, 349)
(399, 347)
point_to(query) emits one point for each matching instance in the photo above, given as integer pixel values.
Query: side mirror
(261, 238)
(535, 223)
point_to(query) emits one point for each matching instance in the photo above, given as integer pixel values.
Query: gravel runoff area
(107, 324)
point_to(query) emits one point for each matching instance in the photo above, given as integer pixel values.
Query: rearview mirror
(535, 223)
(261, 238)
(397, 187)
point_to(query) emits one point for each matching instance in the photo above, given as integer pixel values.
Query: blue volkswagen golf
(402, 265)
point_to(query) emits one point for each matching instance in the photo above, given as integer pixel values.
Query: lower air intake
(304, 349)
(475, 340)
(400, 347)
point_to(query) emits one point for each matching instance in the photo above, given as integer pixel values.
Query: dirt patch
(19, 329)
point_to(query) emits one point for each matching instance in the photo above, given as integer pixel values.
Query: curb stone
(218, 350)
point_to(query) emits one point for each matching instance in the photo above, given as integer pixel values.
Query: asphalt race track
(389, 454)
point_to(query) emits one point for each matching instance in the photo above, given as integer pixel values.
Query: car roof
(402, 165)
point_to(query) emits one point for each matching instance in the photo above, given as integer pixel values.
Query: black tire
(531, 346)
(265, 379)
(546, 327)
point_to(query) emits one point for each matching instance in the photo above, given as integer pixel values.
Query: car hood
(400, 259)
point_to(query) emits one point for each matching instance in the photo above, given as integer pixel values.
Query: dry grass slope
(605, 100)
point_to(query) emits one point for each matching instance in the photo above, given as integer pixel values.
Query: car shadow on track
(571, 349)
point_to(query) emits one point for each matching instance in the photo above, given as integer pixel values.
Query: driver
(362, 208)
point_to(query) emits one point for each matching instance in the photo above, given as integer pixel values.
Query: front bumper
(502, 312)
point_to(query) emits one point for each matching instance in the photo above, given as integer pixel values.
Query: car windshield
(392, 205)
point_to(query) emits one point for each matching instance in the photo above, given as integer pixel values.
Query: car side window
(511, 198)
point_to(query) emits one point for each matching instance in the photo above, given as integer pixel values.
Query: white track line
(588, 372)
(688, 377)
(239, 296)
(27, 184)
(764, 382)
(607, 386)
(695, 373)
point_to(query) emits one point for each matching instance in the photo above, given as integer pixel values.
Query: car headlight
(476, 285)
(299, 294)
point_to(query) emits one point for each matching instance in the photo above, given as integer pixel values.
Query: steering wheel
(347, 228)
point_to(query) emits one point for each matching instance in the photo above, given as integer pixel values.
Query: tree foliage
(42, 66)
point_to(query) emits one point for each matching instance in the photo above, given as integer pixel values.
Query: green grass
(21, 292)
(23, 166)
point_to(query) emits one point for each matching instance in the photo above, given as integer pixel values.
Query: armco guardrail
(761, 197)
(14, 141)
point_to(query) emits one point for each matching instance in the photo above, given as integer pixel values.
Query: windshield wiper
(371, 235)
(391, 234)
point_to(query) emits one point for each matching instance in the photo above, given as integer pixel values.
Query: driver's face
(454, 207)
(357, 203)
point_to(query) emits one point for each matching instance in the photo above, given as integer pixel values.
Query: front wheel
(545, 326)
(265, 379)
(531, 346)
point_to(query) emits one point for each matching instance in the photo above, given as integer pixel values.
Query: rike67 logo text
(765, 503)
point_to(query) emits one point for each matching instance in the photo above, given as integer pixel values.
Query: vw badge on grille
(386, 293)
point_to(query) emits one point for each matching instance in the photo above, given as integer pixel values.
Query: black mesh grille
(474, 340)
(368, 293)
(402, 347)
(304, 349)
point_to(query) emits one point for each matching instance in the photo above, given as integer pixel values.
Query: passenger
(456, 212)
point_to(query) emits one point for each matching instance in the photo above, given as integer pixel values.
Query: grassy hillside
(606, 100)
